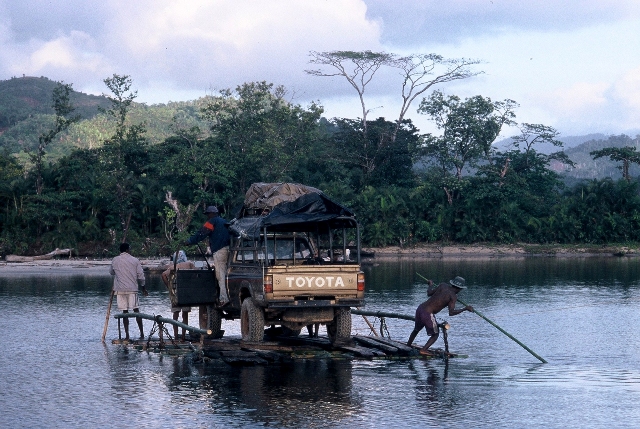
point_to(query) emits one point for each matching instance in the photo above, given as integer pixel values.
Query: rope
(383, 328)
(156, 328)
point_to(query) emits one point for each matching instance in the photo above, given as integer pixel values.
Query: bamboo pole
(499, 328)
(382, 314)
(106, 319)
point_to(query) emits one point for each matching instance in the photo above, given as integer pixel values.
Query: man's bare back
(444, 295)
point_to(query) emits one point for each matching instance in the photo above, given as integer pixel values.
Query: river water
(580, 314)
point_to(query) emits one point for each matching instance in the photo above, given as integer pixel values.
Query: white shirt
(128, 272)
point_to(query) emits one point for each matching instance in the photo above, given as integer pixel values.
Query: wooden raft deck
(277, 350)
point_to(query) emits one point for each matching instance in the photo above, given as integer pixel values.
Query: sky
(570, 64)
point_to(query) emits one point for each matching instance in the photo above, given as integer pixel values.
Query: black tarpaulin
(301, 213)
(268, 195)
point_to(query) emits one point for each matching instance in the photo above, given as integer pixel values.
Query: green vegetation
(87, 172)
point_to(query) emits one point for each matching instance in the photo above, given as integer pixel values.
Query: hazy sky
(572, 64)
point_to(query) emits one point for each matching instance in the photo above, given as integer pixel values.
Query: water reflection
(300, 394)
(579, 314)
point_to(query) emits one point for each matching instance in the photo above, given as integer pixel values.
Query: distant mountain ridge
(578, 150)
(546, 148)
(588, 168)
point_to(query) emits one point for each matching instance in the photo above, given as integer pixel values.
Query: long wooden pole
(498, 328)
(106, 319)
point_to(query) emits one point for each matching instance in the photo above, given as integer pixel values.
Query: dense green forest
(87, 172)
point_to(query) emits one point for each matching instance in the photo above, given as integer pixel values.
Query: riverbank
(502, 250)
(475, 251)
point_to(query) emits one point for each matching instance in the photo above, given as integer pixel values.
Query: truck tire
(214, 322)
(339, 331)
(251, 321)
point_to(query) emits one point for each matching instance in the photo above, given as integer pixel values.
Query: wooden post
(370, 325)
(106, 320)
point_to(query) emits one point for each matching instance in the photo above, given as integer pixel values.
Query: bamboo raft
(274, 350)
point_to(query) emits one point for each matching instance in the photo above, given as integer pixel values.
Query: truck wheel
(215, 322)
(251, 321)
(339, 330)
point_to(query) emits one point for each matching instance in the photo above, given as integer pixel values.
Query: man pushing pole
(444, 295)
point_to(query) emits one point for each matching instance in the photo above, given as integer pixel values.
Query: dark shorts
(426, 320)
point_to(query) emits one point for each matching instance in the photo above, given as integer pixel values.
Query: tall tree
(124, 155)
(63, 118)
(357, 67)
(419, 72)
(377, 158)
(262, 133)
(627, 155)
(468, 127)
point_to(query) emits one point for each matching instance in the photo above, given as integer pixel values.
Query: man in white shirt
(128, 275)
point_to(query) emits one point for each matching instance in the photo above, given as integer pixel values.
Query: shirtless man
(444, 295)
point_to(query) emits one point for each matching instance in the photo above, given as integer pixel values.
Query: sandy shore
(157, 265)
(75, 266)
(500, 251)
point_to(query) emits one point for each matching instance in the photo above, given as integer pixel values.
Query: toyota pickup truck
(294, 261)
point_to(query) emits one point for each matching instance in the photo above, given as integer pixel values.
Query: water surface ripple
(580, 314)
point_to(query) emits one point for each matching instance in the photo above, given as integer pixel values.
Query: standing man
(179, 262)
(445, 295)
(128, 275)
(219, 240)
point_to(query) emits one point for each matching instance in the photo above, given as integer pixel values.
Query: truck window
(281, 247)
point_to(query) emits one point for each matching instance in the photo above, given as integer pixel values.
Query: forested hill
(26, 112)
(25, 97)
(588, 168)
(142, 173)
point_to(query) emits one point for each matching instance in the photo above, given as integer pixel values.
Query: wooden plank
(247, 345)
(240, 361)
(370, 342)
(237, 353)
(270, 356)
(243, 358)
(359, 351)
(221, 345)
(402, 347)
(317, 343)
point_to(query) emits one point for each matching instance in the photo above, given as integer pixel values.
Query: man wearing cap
(444, 295)
(219, 240)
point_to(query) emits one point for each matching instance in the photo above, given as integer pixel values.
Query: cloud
(569, 62)
(595, 107)
(627, 90)
(579, 98)
(198, 44)
(419, 22)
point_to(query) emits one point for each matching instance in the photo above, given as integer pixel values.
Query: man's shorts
(426, 320)
(127, 300)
